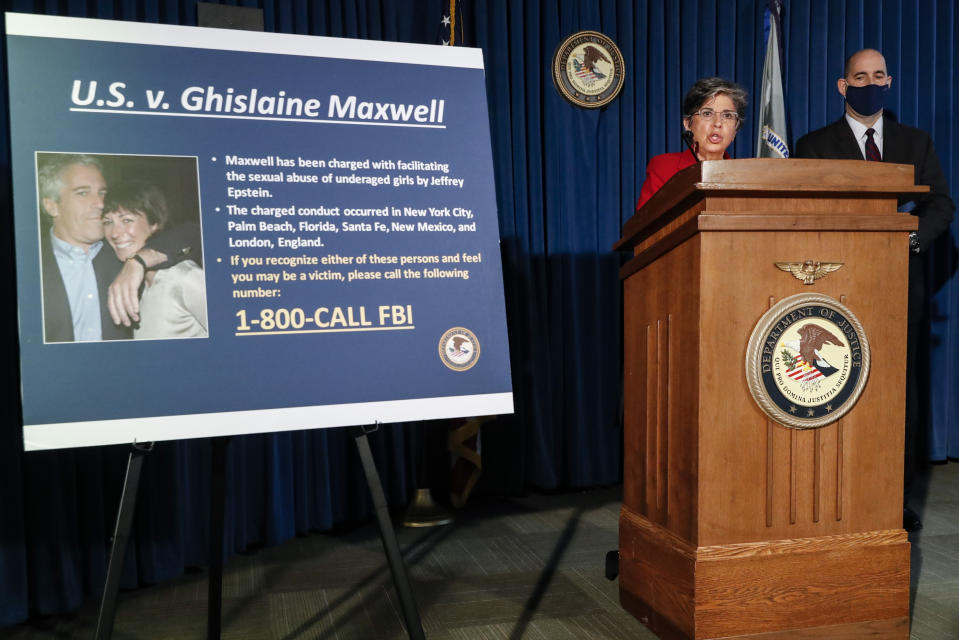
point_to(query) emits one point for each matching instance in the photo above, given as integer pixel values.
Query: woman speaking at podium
(713, 112)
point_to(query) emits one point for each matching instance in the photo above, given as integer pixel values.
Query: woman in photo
(173, 302)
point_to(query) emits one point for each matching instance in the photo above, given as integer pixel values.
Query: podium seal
(588, 69)
(807, 361)
(459, 349)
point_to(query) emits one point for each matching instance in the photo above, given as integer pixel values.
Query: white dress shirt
(859, 130)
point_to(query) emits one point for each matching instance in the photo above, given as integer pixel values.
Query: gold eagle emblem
(810, 270)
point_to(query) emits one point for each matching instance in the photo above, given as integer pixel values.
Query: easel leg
(414, 627)
(214, 613)
(121, 537)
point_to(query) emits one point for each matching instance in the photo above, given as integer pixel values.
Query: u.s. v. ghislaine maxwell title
(211, 101)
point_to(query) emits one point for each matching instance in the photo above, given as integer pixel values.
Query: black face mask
(867, 100)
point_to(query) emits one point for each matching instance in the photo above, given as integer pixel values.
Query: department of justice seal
(459, 349)
(807, 361)
(588, 69)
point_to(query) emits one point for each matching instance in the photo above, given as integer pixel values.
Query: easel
(214, 607)
(401, 580)
(121, 536)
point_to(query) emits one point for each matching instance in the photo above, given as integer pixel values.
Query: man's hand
(122, 295)
(122, 299)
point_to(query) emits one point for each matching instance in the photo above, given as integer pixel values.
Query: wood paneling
(732, 524)
(661, 372)
(661, 567)
(891, 629)
(811, 177)
(743, 589)
(807, 222)
(734, 505)
(809, 583)
(791, 186)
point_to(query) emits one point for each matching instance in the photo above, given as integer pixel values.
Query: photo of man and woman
(120, 247)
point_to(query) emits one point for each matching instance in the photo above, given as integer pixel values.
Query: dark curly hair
(138, 196)
(707, 88)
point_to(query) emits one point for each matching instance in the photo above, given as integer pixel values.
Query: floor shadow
(546, 577)
(413, 553)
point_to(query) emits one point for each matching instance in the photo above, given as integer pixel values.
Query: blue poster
(313, 221)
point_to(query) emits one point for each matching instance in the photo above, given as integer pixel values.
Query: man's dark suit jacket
(180, 243)
(902, 145)
(57, 319)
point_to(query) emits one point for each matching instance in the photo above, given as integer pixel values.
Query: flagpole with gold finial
(452, 23)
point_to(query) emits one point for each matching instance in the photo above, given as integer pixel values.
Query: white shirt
(859, 130)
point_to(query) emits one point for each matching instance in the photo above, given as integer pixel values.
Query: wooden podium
(733, 525)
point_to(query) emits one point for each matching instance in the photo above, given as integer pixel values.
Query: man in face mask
(868, 132)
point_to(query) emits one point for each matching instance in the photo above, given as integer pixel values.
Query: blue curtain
(566, 181)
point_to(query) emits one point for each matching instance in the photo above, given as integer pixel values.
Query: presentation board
(332, 211)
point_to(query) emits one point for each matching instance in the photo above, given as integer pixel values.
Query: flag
(771, 141)
(452, 24)
(463, 435)
(803, 371)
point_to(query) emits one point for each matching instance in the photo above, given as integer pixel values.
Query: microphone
(688, 139)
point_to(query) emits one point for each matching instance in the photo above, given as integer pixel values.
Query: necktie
(872, 151)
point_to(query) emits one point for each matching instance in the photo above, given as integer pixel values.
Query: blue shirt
(80, 281)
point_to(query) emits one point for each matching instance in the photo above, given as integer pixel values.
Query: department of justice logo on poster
(588, 69)
(807, 361)
(459, 349)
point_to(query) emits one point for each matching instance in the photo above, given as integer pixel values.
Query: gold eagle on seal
(810, 270)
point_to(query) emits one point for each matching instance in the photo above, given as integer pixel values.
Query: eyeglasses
(730, 117)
